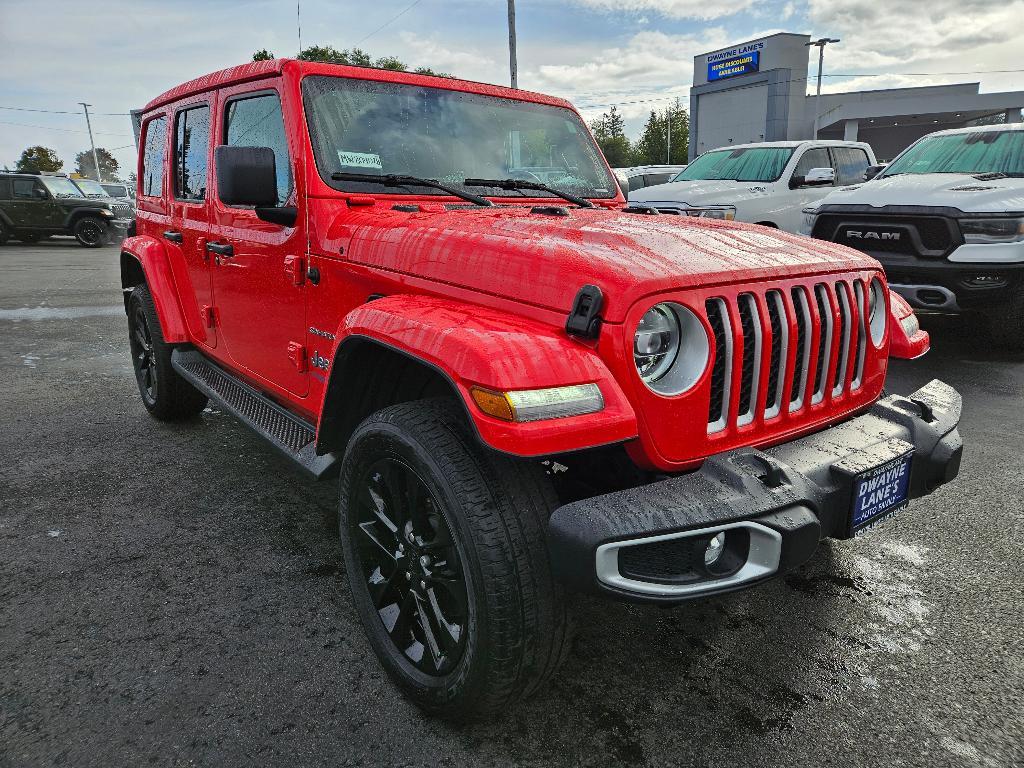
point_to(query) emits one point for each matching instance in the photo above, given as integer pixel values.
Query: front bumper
(641, 544)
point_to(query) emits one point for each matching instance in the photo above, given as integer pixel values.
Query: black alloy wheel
(411, 566)
(143, 355)
(90, 232)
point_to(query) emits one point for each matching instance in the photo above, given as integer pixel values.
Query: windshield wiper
(518, 184)
(397, 180)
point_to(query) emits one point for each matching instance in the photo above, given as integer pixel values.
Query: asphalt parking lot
(172, 595)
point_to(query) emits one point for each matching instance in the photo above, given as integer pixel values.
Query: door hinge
(210, 316)
(297, 354)
(295, 268)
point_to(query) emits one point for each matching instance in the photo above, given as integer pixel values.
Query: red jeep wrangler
(530, 390)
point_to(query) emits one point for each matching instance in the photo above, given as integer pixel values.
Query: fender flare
(901, 346)
(471, 345)
(152, 258)
(76, 213)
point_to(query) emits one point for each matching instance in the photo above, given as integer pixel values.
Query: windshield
(91, 188)
(972, 153)
(115, 190)
(751, 164)
(360, 126)
(60, 186)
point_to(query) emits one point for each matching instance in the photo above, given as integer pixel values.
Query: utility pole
(820, 43)
(668, 129)
(95, 158)
(512, 43)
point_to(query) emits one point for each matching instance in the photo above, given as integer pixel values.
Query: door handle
(224, 250)
(174, 237)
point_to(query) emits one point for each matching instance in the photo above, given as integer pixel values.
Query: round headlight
(656, 342)
(670, 348)
(877, 315)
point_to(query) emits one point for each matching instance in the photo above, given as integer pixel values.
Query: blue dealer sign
(737, 61)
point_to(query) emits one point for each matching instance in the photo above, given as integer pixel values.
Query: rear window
(851, 163)
(153, 157)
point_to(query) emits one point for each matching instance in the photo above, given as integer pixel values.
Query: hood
(543, 260)
(952, 190)
(700, 192)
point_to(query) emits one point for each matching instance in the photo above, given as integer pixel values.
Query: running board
(284, 430)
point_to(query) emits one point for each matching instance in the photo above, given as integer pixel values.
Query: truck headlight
(809, 216)
(723, 212)
(877, 316)
(993, 230)
(107, 213)
(670, 348)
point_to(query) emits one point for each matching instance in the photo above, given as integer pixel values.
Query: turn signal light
(537, 404)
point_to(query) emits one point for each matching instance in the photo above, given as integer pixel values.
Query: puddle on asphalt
(58, 313)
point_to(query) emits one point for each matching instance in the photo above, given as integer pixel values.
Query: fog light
(715, 549)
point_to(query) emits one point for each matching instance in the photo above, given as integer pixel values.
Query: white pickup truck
(767, 183)
(946, 220)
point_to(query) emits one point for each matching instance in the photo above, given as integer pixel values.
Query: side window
(256, 121)
(153, 157)
(5, 189)
(23, 189)
(851, 162)
(191, 144)
(812, 158)
(636, 182)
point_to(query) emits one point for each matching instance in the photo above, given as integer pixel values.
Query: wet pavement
(171, 595)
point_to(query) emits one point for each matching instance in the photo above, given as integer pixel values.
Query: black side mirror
(872, 170)
(40, 194)
(248, 176)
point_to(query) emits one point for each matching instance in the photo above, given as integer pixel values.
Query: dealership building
(757, 91)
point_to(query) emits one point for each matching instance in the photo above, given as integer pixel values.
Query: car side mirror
(820, 177)
(248, 176)
(873, 170)
(40, 194)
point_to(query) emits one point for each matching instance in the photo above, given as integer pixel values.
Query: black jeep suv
(37, 205)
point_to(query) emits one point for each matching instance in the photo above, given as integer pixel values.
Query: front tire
(166, 395)
(445, 551)
(91, 232)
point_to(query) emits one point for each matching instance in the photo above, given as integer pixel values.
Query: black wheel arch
(368, 374)
(131, 275)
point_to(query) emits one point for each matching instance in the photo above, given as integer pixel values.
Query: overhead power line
(63, 130)
(394, 18)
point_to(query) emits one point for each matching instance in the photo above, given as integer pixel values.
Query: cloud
(461, 61)
(673, 9)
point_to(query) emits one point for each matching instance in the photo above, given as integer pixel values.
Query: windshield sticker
(359, 160)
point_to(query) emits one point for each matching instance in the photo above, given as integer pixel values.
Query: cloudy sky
(637, 54)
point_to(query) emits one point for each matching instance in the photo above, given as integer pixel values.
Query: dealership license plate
(880, 493)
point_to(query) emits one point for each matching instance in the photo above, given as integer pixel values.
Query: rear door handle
(223, 250)
(174, 237)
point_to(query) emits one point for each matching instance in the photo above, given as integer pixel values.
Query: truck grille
(930, 236)
(779, 351)
(122, 210)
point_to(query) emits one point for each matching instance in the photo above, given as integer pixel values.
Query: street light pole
(820, 43)
(95, 158)
(512, 43)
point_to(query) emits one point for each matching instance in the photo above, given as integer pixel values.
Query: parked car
(641, 176)
(120, 192)
(96, 191)
(34, 206)
(768, 183)
(946, 220)
(525, 390)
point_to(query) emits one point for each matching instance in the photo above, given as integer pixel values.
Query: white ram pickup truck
(768, 183)
(946, 220)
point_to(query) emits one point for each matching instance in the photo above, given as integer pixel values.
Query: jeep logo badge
(856, 234)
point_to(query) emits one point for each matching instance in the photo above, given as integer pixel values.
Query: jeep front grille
(810, 341)
(122, 210)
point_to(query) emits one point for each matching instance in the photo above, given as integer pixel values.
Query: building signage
(741, 60)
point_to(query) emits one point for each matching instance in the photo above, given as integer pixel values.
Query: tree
(352, 57)
(86, 167)
(610, 132)
(652, 146)
(39, 158)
